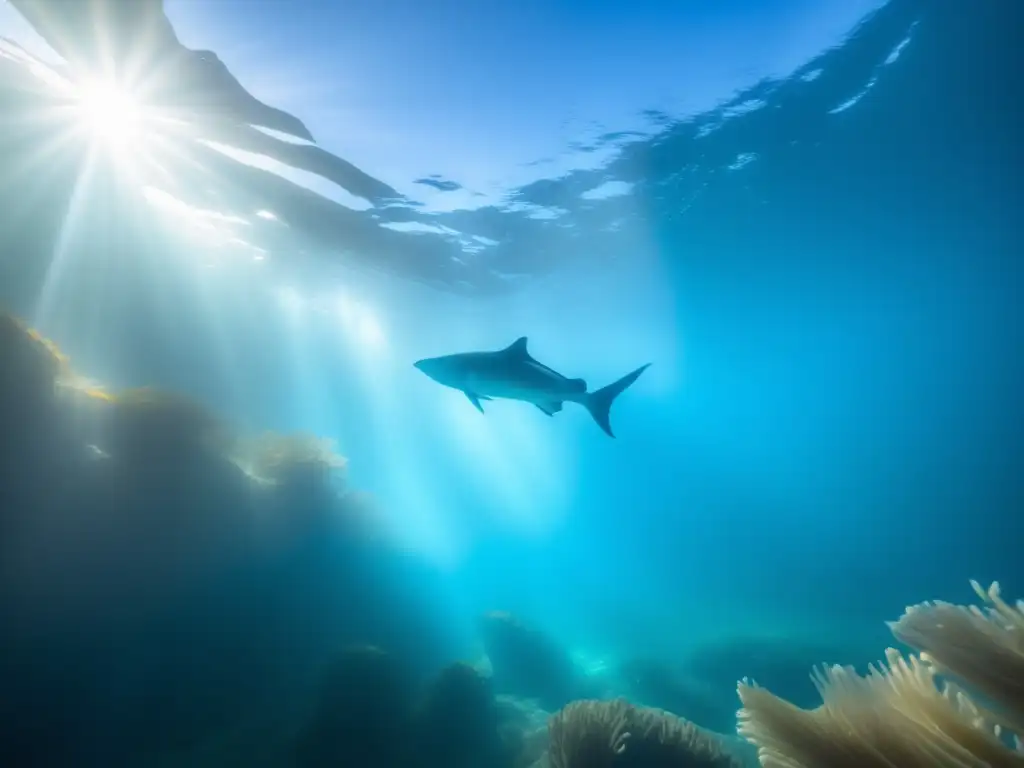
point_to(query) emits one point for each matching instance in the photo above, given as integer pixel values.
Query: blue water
(824, 271)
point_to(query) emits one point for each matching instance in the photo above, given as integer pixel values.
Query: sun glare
(360, 323)
(110, 113)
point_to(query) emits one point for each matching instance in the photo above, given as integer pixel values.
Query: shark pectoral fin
(475, 400)
(550, 408)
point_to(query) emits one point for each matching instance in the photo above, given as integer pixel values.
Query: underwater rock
(526, 662)
(301, 475)
(779, 663)
(161, 593)
(292, 460)
(457, 722)
(147, 425)
(656, 684)
(364, 716)
(617, 734)
(902, 713)
(32, 364)
(371, 712)
(29, 368)
(524, 730)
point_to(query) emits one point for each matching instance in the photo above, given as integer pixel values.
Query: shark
(513, 374)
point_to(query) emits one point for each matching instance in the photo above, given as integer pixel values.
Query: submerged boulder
(458, 721)
(156, 592)
(528, 663)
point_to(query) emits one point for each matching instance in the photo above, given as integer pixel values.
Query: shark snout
(436, 368)
(426, 366)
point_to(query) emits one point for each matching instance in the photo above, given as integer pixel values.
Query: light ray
(77, 203)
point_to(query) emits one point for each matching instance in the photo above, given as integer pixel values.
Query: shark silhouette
(512, 374)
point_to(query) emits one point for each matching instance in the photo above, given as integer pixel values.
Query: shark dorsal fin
(518, 348)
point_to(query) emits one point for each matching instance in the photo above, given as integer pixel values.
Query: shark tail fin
(599, 403)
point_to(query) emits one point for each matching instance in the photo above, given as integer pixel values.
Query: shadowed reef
(163, 578)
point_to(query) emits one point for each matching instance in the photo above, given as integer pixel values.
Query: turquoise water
(823, 270)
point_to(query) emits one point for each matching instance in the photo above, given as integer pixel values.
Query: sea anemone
(983, 647)
(603, 734)
(902, 715)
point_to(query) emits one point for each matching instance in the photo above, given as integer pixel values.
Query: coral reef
(904, 713)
